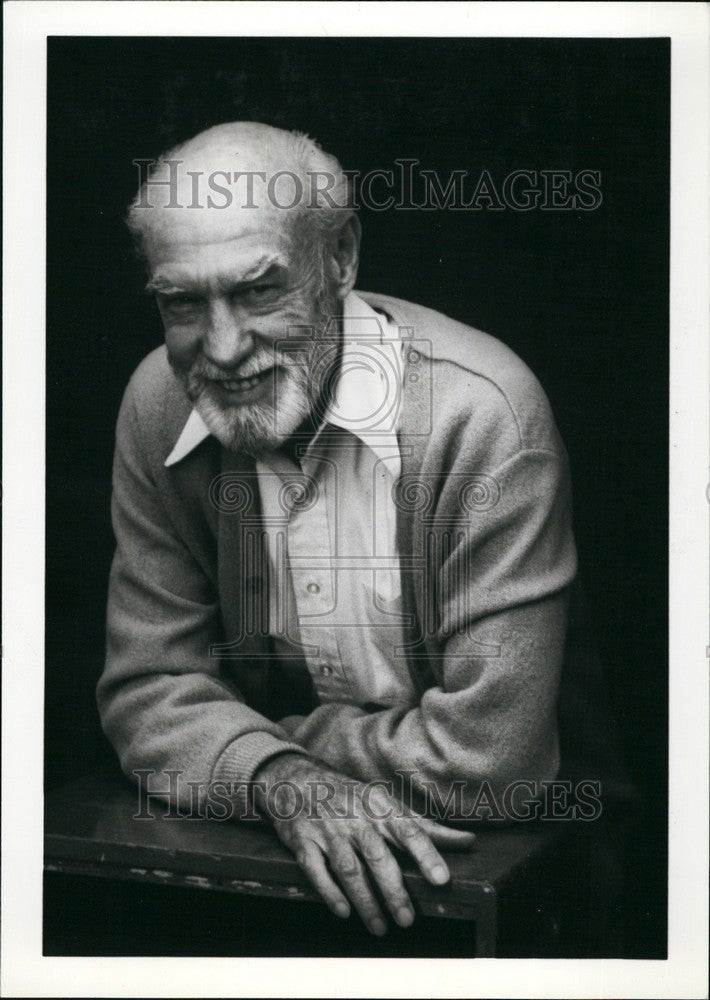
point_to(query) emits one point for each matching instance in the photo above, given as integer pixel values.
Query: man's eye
(181, 301)
(261, 290)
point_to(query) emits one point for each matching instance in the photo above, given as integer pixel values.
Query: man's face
(229, 290)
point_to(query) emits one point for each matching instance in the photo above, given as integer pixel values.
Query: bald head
(235, 175)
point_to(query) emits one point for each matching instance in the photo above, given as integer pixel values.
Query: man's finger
(407, 833)
(444, 836)
(309, 857)
(387, 875)
(349, 871)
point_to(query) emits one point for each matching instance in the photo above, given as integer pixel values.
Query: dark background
(582, 297)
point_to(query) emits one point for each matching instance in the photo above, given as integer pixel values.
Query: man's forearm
(495, 721)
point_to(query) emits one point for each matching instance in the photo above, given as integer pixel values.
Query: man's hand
(341, 830)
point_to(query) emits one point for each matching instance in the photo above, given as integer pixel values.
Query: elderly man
(343, 532)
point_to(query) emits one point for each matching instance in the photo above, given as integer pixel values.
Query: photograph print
(357, 497)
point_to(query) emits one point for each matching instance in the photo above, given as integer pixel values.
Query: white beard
(303, 372)
(257, 427)
(304, 378)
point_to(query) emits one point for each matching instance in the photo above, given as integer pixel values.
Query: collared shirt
(335, 602)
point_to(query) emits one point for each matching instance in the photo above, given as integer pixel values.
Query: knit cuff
(239, 762)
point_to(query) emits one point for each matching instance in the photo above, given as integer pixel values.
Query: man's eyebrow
(264, 267)
(162, 285)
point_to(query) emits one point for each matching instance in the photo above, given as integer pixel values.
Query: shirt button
(313, 588)
(326, 670)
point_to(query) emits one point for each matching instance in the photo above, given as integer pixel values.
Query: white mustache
(256, 365)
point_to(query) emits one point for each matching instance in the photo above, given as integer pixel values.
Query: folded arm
(502, 601)
(161, 698)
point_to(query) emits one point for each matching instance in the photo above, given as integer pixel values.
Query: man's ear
(346, 255)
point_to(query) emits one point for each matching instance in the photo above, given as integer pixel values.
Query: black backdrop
(581, 296)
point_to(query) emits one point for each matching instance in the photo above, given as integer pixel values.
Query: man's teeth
(241, 384)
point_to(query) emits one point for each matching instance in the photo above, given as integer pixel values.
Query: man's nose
(228, 339)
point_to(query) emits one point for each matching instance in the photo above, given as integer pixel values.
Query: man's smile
(245, 390)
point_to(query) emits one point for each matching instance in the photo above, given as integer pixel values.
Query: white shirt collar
(368, 395)
(369, 390)
(193, 433)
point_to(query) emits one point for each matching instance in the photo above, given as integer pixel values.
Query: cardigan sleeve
(162, 702)
(490, 716)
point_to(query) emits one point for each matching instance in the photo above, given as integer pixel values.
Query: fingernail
(378, 927)
(405, 917)
(342, 909)
(439, 874)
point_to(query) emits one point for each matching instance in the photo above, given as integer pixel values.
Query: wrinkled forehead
(183, 223)
(219, 196)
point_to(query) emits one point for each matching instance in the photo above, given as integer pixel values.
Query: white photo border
(25, 972)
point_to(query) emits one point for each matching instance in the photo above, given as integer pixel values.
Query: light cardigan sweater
(485, 540)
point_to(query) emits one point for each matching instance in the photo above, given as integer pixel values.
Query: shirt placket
(315, 591)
